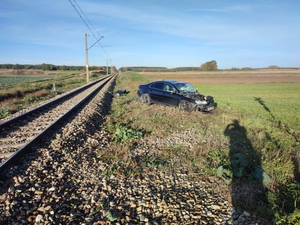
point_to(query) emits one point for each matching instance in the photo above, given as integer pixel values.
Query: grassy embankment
(22, 91)
(251, 141)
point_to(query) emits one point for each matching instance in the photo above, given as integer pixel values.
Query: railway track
(19, 134)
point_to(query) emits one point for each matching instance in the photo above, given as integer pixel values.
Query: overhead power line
(86, 17)
(80, 15)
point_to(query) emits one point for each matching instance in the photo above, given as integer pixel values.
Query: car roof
(173, 81)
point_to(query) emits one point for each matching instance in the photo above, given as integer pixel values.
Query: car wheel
(185, 106)
(145, 98)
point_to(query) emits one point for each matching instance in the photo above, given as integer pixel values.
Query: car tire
(186, 106)
(145, 98)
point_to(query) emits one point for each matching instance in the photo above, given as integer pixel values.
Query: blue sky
(167, 33)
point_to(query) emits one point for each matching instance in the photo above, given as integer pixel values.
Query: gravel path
(66, 182)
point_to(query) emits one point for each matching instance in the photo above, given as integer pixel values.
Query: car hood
(195, 96)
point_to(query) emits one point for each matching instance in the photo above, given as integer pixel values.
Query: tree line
(143, 69)
(208, 66)
(45, 66)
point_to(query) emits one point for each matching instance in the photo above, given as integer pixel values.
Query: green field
(252, 139)
(7, 79)
(18, 92)
(15, 80)
(259, 101)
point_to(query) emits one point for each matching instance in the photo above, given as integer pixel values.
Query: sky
(164, 33)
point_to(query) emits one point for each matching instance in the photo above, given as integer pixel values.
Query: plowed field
(218, 77)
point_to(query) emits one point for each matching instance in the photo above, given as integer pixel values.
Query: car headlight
(202, 102)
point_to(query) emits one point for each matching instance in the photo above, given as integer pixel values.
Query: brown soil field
(230, 77)
(30, 72)
(196, 77)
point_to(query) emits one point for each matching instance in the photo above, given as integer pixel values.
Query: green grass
(267, 101)
(16, 80)
(270, 114)
(21, 92)
(252, 137)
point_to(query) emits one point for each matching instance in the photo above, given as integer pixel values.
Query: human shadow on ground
(247, 189)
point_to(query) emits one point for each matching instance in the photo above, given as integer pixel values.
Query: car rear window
(159, 86)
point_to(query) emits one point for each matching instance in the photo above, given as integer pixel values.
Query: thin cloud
(179, 24)
(157, 29)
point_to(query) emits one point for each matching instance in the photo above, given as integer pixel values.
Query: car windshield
(185, 87)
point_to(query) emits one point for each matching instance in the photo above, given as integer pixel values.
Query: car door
(157, 92)
(171, 97)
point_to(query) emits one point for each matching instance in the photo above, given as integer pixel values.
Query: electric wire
(88, 25)
(86, 17)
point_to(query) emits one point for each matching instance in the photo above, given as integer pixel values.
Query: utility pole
(86, 59)
(106, 59)
(107, 67)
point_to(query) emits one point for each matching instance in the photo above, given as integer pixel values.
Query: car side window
(159, 86)
(169, 87)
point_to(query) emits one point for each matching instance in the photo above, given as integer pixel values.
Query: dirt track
(257, 76)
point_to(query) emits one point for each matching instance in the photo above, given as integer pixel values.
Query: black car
(176, 94)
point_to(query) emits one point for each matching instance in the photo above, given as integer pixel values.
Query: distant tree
(6, 66)
(42, 66)
(209, 66)
(27, 67)
(247, 68)
(273, 67)
(17, 67)
(113, 69)
(45, 66)
(63, 67)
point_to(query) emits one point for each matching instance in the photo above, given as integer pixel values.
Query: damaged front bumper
(205, 107)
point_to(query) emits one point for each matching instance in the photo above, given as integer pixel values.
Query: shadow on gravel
(249, 196)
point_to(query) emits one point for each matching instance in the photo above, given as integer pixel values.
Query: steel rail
(27, 113)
